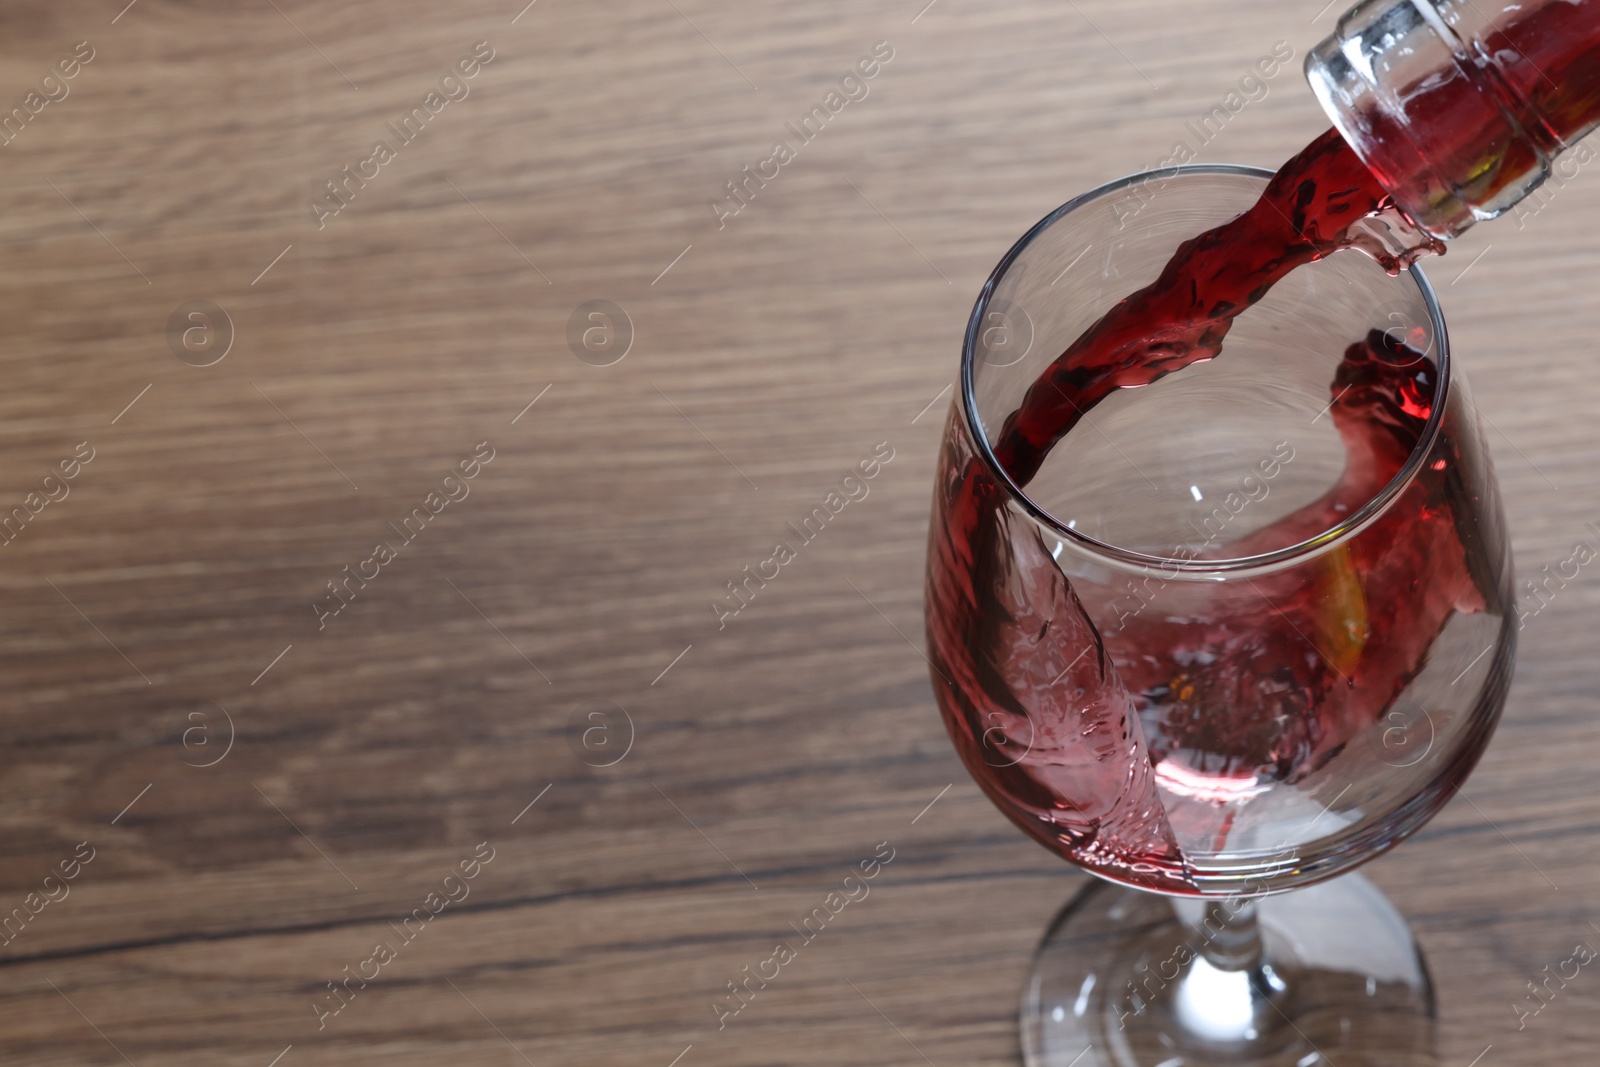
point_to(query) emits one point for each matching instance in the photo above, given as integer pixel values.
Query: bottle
(1460, 108)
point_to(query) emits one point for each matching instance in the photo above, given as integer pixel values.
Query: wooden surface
(774, 754)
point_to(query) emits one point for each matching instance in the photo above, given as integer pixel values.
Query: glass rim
(1176, 566)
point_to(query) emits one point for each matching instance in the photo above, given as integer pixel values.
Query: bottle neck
(1460, 107)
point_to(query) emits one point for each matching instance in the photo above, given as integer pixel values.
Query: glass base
(1131, 979)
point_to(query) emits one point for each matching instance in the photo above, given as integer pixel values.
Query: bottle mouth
(1373, 76)
(1345, 83)
(1172, 566)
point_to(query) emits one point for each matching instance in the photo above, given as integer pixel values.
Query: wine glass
(1245, 628)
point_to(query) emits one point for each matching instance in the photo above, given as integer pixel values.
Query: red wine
(1309, 210)
(1128, 752)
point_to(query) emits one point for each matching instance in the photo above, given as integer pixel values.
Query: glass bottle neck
(1460, 107)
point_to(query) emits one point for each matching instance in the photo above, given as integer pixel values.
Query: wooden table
(538, 667)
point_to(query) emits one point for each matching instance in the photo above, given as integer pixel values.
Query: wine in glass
(1235, 632)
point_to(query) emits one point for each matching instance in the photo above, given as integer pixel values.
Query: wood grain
(774, 754)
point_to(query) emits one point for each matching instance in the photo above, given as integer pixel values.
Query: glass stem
(1229, 992)
(1231, 935)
